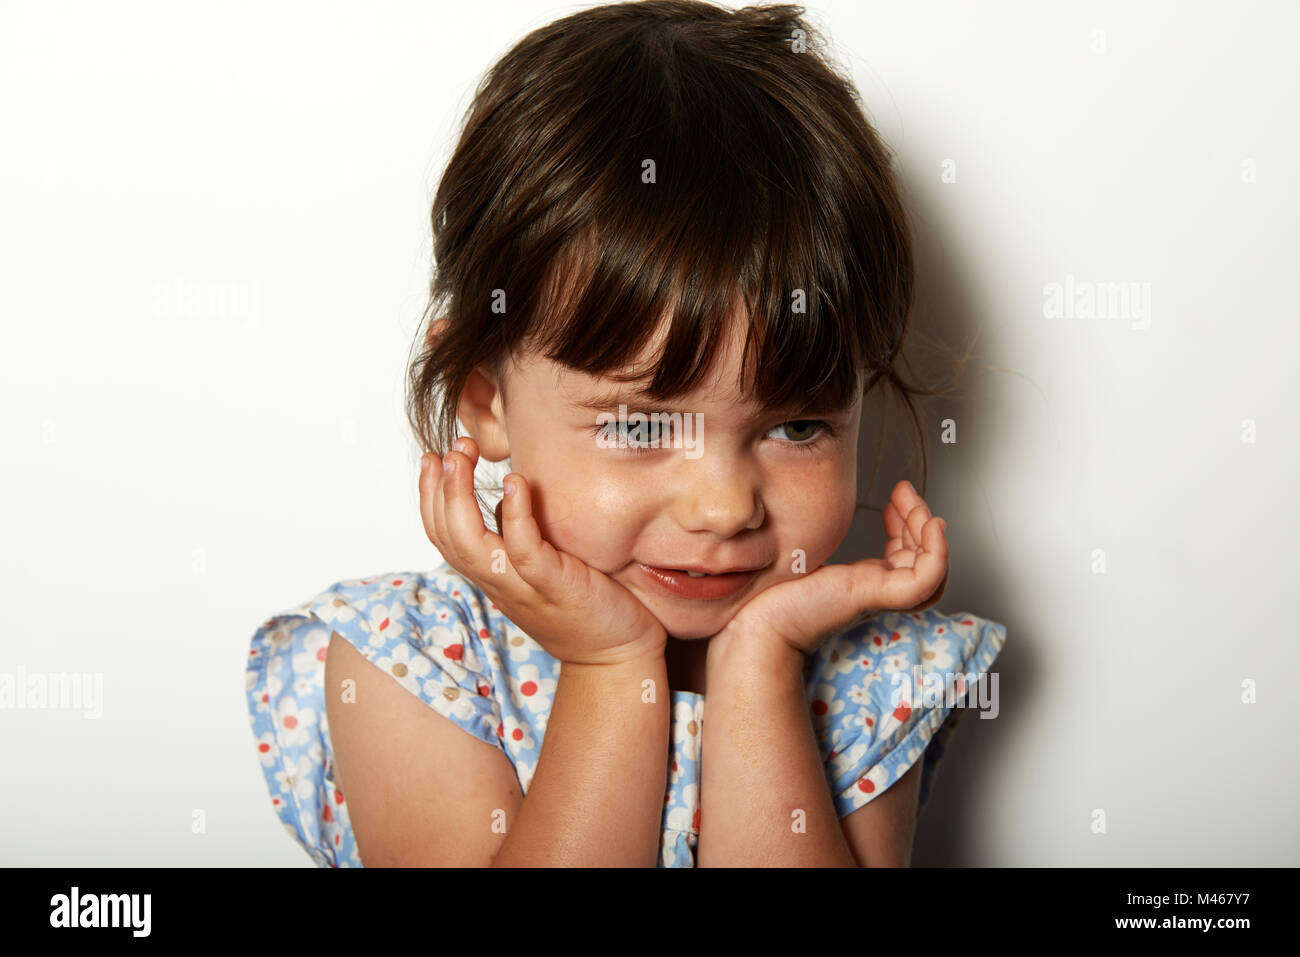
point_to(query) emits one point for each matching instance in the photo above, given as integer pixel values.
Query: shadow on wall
(950, 830)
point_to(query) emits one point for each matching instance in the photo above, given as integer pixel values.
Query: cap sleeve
(416, 628)
(882, 693)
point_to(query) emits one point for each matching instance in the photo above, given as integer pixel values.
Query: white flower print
(935, 654)
(841, 659)
(676, 768)
(862, 726)
(426, 600)
(297, 777)
(295, 723)
(451, 584)
(524, 772)
(688, 728)
(532, 689)
(310, 650)
(869, 785)
(825, 705)
(336, 608)
(894, 664)
(861, 693)
(304, 685)
(268, 752)
(519, 645)
(842, 761)
(281, 635)
(518, 736)
(407, 666)
(686, 816)
(387, 623)
(379, 589)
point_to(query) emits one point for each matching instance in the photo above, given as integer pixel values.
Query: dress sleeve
(406, 625)
(884, 692)
(416, 628)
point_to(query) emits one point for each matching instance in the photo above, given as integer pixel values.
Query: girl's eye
(820, 432)
(636, 439)
(810, 433)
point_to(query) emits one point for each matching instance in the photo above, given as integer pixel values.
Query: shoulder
(437, 612)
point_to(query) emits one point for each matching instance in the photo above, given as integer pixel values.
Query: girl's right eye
(637, 440)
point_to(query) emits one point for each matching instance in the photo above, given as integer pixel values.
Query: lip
(676, 582)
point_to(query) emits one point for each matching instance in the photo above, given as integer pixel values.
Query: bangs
(635, 179)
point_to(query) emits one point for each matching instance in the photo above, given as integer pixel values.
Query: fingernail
(510, 488)
(448, 464)
(911, 487)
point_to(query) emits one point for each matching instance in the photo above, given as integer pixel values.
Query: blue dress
(440, 637)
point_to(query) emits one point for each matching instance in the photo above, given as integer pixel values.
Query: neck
(686, 659)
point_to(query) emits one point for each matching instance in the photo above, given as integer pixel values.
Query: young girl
(678, 210)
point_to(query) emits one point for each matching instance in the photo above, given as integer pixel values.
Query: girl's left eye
(821, 432)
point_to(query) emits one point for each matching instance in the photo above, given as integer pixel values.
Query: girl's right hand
(575, 612)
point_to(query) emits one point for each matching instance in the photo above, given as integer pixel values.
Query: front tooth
(696, 574)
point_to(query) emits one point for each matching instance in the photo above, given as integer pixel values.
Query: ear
(482, 408)
(482, 413)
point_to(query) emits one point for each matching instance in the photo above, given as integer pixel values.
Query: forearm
(596, 798)
(764, 800)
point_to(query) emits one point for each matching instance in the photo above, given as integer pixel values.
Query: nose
(717, 495)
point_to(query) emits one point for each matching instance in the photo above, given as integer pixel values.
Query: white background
(214, 251)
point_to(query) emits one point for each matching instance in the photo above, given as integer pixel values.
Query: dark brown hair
(764, 180)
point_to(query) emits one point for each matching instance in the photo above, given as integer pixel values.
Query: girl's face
(750, 493)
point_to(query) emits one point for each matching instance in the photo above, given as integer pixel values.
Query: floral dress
(879, 695)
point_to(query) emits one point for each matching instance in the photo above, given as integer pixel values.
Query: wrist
(757, 653)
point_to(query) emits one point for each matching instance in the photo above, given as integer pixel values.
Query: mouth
(696, 584)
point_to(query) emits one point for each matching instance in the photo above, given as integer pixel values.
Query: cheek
(594, 516)
(822, 526)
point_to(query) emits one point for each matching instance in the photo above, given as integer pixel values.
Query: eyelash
(825, 433)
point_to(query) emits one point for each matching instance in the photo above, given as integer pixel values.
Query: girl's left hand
(803, 612)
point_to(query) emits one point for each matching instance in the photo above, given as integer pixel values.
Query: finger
(893, 521)
(931, 567)
(916, 519)
(534, 559)
(465, 530)
(430, 475)
(904, 499)
(901, 557)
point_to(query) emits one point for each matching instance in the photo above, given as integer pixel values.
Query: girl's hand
(576, 613)
(803, 612)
